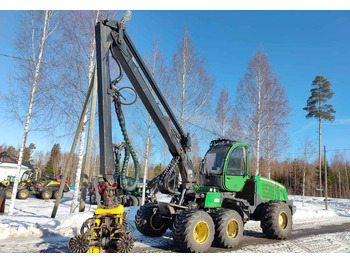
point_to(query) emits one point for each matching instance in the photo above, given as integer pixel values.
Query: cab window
(237, 162)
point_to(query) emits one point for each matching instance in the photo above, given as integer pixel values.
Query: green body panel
(235, 183)
(212, 199)
(268, 189)
(212, 195)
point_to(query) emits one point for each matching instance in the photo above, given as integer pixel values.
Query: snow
(32, 226)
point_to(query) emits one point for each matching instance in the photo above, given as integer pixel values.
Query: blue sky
(300, 45)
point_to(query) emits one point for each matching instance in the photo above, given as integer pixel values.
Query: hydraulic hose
(129, 150)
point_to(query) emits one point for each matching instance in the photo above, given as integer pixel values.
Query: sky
(300, 45)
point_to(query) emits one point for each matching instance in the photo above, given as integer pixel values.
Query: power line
(17, 57)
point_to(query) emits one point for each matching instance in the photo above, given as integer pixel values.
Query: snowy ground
(31, 229)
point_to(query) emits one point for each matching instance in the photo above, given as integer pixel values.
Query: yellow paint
(201, 232)
(119, 210)
(272, 182)
(232, 229)
(93, 250)
(283, 220)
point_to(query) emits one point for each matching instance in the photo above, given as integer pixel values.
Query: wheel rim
(24, 194)
(8, 194)
(232, 229)
(201, 232)
(153, 226)
(46, 195)
(283, 220)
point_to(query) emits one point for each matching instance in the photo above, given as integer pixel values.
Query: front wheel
(276, 221)
(193, 231)
(149, 222)
(23, 194)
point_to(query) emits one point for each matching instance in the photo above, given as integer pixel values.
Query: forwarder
(201, 213)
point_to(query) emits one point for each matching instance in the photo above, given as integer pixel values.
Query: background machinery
(32, 182)
(202, 213)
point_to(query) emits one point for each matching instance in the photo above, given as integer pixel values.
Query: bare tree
(38, 25)
(277, 110)
(191, 85)
(156, 64)
(257, 104)
(307, 152)
(223, 110)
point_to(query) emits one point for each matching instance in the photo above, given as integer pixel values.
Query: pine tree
(318, 108)
(52, 166)
(28, 152)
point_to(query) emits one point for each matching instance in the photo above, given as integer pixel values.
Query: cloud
(342, 122)
(305, 127)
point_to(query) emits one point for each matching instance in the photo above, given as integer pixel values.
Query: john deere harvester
(203, 212)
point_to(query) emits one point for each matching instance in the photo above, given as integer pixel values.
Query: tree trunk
(87, 164)
(183, 93)
(148, 147)
(303, 184)
(268, 153)
(79, 166)
(258, 131)
(319, 156)
(26, 126)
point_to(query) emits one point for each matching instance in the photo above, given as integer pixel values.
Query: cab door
(236, 168)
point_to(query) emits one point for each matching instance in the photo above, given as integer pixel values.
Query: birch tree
(256, 101)
(40, 29)
(191, 85)
(277, 111)
(223, 110)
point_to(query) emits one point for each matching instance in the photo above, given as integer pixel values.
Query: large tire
(193, 231)
(23, 194)
(276, 220)
(132, 201)
(46, 194)
(228, 228)
(149, 222)
(125, 200)
(139, 199)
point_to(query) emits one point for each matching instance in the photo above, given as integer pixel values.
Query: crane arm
(112, 38)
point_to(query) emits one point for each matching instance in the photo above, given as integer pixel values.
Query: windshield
(214, 160)
(26, 176)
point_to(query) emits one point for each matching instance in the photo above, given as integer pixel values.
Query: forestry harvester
(203, 212)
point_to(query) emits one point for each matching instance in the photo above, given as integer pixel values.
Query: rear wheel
(46, 194)
(276, 221)
(132, 201)
(23, 194)
(228, 228)
(8, 193)
(149, 222)
(193, 231)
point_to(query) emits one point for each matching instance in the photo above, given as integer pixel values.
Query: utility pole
(75, 140)
(325, 178)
